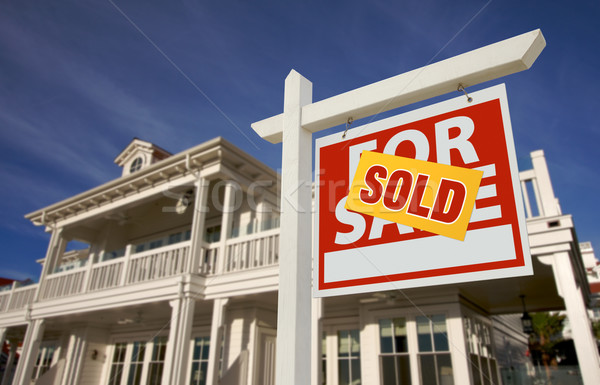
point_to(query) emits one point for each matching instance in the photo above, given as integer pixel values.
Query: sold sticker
(430, 196)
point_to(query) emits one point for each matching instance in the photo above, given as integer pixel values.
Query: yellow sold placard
(429, 196)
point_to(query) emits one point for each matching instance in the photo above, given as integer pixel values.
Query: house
(178, 284)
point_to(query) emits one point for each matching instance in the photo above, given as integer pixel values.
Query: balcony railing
(244, 253)
(250, 252)
(18, 298)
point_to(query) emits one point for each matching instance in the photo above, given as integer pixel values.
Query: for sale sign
(425, 198)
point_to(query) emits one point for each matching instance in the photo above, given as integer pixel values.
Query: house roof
(217, 150)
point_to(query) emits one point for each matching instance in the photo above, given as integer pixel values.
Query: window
(136, 165)
(44, 360)
(136, 365)
(199, 361)
(348, 357)
(138, 362)
(394, 357)
(483, 362)
(435, 365)
(157, 361)
(116, 368)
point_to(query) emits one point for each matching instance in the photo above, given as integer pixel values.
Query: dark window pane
(475, 369)
(427, 366)
(205, 348)
(195, 373)
(343, 372)
(403, 367)
(401, 344)
(441, 342)
(484, 370)
(424, 342)
(115, 374)
(388, 370)
(356, 380)
(444, 365)
(203, 369)
(385, 336)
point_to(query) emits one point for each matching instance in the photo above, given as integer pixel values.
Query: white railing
(242, 253)
(253, 251)
(158, 263)
(22, 297)
(63, 284)
(17, 298)
(208, 259)
(105, 275)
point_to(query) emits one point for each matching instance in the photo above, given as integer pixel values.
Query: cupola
(138, 155)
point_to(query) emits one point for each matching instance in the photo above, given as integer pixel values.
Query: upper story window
(136, 165)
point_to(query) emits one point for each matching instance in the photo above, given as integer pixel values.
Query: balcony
(250, 252)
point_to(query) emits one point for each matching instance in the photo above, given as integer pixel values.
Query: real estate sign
(428, 197)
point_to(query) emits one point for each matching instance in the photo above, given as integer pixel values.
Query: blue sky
(80, 79)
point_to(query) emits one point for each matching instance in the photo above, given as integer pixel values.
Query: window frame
(374, 313)
(148, 339)
(330, 330)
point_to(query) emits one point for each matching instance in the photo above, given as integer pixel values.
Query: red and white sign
(357, 253)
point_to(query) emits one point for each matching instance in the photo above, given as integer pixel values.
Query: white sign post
(294, 127)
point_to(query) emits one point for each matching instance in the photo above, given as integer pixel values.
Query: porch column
(317, 346)
(226, 223)
(216, 332)
(56, 249)
(461, 368)
(585, 343)
(75, 356)
(197, 230)
(180, 334)
(29, 352)
(6, 378)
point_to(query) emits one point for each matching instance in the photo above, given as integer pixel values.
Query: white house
(179, 286)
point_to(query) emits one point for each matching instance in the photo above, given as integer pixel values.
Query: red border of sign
(513, 215)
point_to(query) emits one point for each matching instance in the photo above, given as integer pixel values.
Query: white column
(216, 332)
(180, 334)
(56, 248)
(226, 223)
(317, 335)
(585, 343)
(457, 341)
(9, 363)
(197, 230)
(75, 357)
(126, 263)
(294, 303)
(31, 344)
(547, 203)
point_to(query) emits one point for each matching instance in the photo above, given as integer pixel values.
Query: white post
(180, 332)
(547, 203)
(294, 306)
(9, 363)
(317, 335)
(56, 249)
(126, 263)
(75, 357)
(31, 344)
(216, 330)
(585, 343)
(197, 230)
(226, 223)
(457, 340)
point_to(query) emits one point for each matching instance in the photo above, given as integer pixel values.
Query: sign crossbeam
(474, 67)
